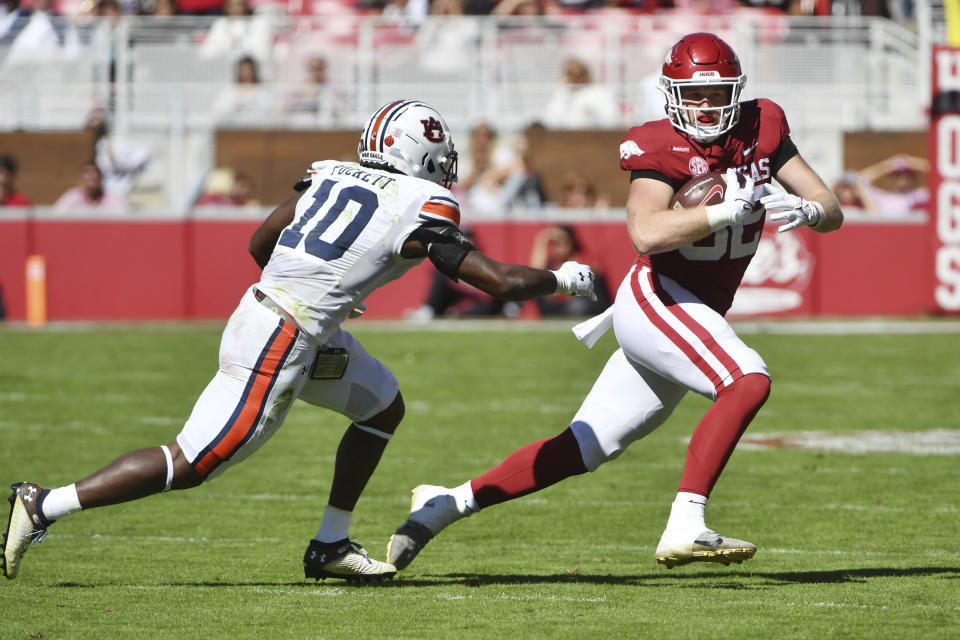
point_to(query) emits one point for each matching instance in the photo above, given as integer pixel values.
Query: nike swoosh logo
(747, 152)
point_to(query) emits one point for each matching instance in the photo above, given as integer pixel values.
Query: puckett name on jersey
(372, 179)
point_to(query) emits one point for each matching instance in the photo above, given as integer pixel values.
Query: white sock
(466, 503)
(687, 512)
(61, 502)
(335, 525)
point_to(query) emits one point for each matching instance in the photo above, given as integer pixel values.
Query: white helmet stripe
(382, 133)
(370, 134)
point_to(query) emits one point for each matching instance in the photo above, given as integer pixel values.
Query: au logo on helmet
(433, 130)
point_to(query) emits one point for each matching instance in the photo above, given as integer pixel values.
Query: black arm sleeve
(785, 151)
(447, 258)
(303, 183)
(446, 246)
(653, 175)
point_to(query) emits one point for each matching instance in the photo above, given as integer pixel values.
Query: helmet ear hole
(431, 168)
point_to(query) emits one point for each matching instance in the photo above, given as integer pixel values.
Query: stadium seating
(831, 76)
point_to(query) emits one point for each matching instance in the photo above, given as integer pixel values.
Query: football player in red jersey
(669, 310)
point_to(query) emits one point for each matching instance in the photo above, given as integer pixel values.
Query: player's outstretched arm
(518, 282)
(265, 238)
(453, 255)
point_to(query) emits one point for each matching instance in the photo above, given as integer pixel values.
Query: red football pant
(530, 468)
(719, 431)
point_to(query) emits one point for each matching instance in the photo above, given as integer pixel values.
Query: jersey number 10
(315, 245)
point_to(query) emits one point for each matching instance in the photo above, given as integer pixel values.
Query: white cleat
(432, 509)
(708, 546)
(26, 526)
(344, 559)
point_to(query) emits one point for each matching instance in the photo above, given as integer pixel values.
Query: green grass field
(851, 546)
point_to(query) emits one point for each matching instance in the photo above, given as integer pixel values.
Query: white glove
(357, 311)
(737, 202)
(575, 279)
(792, 210)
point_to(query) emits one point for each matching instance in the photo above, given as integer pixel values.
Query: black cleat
(344, 559)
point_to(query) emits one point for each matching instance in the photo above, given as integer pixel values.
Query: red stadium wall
(173, 269)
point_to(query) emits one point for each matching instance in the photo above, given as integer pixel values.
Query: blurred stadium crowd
(414, 12)
(152, 82)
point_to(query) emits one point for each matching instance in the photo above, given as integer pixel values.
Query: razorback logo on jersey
(433, 130)
(629, 149)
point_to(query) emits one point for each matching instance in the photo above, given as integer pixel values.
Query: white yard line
(944, 442)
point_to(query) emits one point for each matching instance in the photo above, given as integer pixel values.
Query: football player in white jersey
(350, 228)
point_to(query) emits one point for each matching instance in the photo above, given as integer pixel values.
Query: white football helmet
(702, 59)
(410, 137)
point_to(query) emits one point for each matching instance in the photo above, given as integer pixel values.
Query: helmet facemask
(448, 168)
(686, 117)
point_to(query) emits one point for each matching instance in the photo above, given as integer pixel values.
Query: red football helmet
(700, 59)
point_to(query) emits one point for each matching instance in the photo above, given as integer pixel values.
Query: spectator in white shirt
(239, 33)
(317, 100)
(246, 101)
(579, 103)
(120, 160)
(44, 38)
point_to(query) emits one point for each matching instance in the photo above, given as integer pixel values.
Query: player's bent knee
(592, 451)
(184, 476)
(758, 386)
(753, 388)
(389, 419)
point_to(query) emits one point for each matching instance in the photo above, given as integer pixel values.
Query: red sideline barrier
(174, 269)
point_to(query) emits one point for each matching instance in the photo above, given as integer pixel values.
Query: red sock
(719, 431)
(530, 468)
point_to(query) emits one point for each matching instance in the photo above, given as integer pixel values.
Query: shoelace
(37, 536)
(357, 548)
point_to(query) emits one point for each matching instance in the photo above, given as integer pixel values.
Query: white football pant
(670, 343)
(265, 364)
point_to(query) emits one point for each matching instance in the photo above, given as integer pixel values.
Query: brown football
(700, 191)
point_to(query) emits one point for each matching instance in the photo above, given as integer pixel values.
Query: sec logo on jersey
(698, 166)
